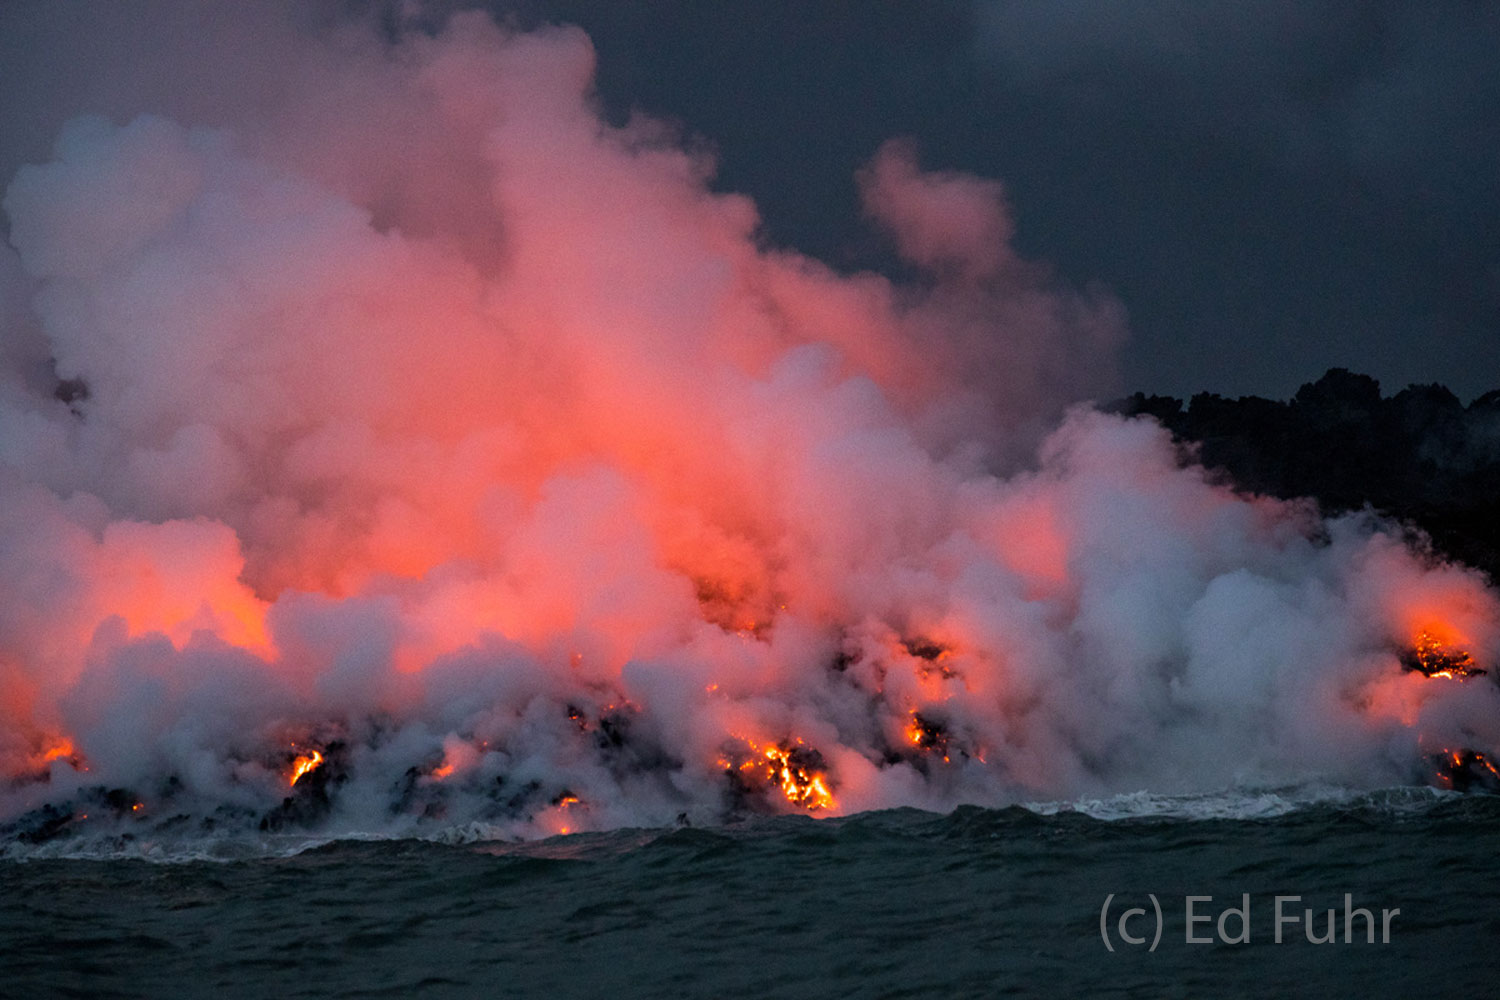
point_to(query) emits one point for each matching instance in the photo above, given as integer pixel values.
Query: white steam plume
(397, 407)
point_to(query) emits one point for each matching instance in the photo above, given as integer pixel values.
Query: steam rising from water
(420, 418)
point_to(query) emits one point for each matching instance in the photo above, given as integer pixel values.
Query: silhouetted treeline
(1420, 455)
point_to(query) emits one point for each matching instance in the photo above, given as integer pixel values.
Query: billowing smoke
(402, 425)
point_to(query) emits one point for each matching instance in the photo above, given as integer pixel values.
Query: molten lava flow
(557, 821)
(927, 735)
(1467, 770)
(305, 765)
(1432, 657)
(59, 749)
(796, 769)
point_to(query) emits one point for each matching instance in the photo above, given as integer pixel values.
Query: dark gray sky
(1271, 189)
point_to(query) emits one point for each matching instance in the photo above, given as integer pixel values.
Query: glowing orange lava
(795, 769)
(305, 765)
(926, 735)
(801, 786)
(1433, 657)
(557, 818)
(58, 749)
(1466, 770)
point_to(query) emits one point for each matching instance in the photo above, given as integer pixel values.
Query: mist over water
(397, 411)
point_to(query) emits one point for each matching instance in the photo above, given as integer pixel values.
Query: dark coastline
(1421, 455)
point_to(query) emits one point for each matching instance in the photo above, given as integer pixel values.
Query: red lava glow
(428, 408)
(927, 736)
(794, 769)
(802, 785)
(1435, 657)
(562, 818)
(1462, 770)
(304, 765)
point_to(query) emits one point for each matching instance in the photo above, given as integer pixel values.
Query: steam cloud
(407, 408)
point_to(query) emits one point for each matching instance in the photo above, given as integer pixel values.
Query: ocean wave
(1312, 800)
(1252, 803)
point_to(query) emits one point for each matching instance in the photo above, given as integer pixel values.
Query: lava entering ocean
(401, 410)
(304, 764)
(1431, 657)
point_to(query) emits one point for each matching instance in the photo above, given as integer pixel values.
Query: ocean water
(978, 903)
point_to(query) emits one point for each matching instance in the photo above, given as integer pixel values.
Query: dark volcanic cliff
(1420, 455)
